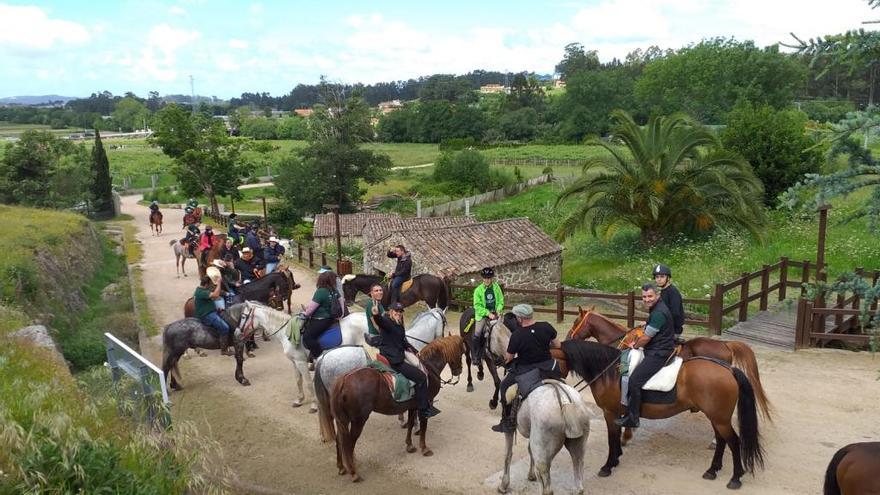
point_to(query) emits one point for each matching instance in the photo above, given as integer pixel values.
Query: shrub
(164, 195)
(463, 172)
(827, 110)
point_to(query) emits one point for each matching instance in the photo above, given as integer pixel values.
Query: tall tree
(102, 189)
(41, 170)
(674, 178)
(576, 59)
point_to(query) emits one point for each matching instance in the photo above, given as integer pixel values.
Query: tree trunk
(651, 237)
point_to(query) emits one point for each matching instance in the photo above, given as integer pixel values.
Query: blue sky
(74, 48)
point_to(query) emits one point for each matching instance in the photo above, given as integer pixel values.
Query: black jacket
(672, 298)
(247, 268)
(393, 339)
(404, 265)
(664, 342)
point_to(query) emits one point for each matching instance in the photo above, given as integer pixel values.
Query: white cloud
(256, 8)
(177, 10)
(30, 28)
(237, 43)
(158, 58)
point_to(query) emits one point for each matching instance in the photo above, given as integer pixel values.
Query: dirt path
(824, 400)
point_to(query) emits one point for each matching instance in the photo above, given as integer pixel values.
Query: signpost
(151, 381)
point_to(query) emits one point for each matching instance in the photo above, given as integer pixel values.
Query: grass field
(10, 130)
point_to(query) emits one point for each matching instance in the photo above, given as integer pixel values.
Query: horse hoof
(428, 453)
(356, 478)
(410, 449)
(493, 404)
(532, 477)
(604, 472)
(342, 471)
(502, 489)
(251, 354)
(311, 366)
(313, 409)
(480, 375)
(734, 484)
(184, 275)
(470, 387)
(245, 382)
(709, 475)
(297, 403)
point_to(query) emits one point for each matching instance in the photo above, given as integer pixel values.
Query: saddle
(406, 285)
(400, 387)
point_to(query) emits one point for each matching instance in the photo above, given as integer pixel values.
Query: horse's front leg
(410, 422)
(614, 448)
(239, 360)
(467, 358)
(494, 372)
(423, 434)
(508, 455)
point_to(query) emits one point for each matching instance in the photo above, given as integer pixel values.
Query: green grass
(622, 263)
(9, 129)
(407, 154)
(545, 151)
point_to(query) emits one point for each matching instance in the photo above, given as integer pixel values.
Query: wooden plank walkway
(773, 328)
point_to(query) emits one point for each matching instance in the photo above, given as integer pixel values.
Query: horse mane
(420, 316)
(276, 318)
(589, 359)
(449, 348)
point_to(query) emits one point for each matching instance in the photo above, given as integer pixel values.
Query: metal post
(820, 246)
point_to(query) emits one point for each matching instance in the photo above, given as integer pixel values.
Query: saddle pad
(331, 338)
(401, 389)
(663, 380)
(406, 285)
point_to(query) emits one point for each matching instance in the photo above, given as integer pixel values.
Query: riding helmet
(487, 272)
(662, 269)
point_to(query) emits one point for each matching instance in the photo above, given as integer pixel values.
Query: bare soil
(824, 399)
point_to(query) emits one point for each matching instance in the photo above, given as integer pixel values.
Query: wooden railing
(309, 256)
(812, 326)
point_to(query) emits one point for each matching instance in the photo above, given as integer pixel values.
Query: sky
(75, 48)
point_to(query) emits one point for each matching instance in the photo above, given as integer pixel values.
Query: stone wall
(323, 242)
(537, 273)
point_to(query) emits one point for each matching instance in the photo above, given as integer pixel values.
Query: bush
(165, 195)
(463, 172)
(827, 110)
(775, 144)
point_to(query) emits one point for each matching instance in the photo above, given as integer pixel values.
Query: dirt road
(824, 399)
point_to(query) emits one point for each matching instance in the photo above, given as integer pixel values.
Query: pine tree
(102, 191)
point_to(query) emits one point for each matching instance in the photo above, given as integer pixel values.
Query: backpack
(335, 308)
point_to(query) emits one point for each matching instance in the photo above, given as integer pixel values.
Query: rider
(488, 304)
(528, 349)
(204, 297)
(658, 344)
(192, 238)
(234, 231)
(402, 271)
(154, 206)
(393, 346)
(229, 249)
(231, 275)
(248, 265)
(374, 309)
(318, 314)
(205, 244)
(670, 295)
(272, 254)
(253, 241)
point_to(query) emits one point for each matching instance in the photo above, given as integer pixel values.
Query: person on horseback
(248, 265)
(252, 240)
(670, 295)
(154, 206)
(231, 275)
(402, 271)
(234, 231)
(658, 343)
(393, 346)
(319, 314)
(206, 242)
(374, 310)
(192, 203)
(528, 349)
(229, 249)
(325, 269)
(272, 254)
(192, 238)
(488, 304)
(204, 297)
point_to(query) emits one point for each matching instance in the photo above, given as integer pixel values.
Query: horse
(190, 333)
(156, 222)
(429, 288)
(360, 392)
(425, 328)
(494, 355)
(589, 323)
(212, 254)
(180, 255)
(853, 470)
(553, 415)
(194, 217)
(703, 384)
(273, 290)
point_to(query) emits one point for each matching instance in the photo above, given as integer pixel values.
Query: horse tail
(831, 486)
(325, 416)
(173, 242)
(750, 437)
(744, 358)
(169, 362)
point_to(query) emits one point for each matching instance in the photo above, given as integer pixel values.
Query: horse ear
(593, 308)
(580, 309)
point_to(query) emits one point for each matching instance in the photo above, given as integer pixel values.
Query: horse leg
(627, 435)
(410, 422)
(423, 434)
(298, 378)
(239, 360)
(542, 462)
(531, 476)
(168, 368)
(614, 448)
(342, 444)
(357, 426)
(718, 458)
(729, 435)
(183, 264)
(576, 448)
(508, 455)
(493, 403)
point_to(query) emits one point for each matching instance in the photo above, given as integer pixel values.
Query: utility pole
(192, 92)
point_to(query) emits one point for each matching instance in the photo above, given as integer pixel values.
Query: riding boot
(508, 420)
(633, 411)
(478, 345)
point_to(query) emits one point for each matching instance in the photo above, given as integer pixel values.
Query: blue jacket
(253, 242)
(273, 255)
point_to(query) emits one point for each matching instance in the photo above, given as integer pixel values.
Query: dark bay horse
(589, 323)
(272, 290)
(156, 222)
(703, 384)
(190, 333)
(362, 391)
(854, 470)
(425, 287)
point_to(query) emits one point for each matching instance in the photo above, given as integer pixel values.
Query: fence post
(744, 298)
(716, 308)
(323, 258)
(311, 257)
(805, 277)
(857, 301)
(800, 324)
(560, 303)
(631, 310)
(765, 282)
(299, 252)
(783, 277)
(876, 278)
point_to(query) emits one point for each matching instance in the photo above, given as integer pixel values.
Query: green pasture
(9, 129)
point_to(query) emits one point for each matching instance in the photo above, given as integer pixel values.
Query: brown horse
(589, 323)
(703, 384)
(364, 390)
(854, 470)
(429, 288)
(156, 222)
(212, 254)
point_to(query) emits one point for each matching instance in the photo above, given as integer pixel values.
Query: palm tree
(675, 178)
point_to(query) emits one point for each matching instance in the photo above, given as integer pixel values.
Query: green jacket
(480, 310)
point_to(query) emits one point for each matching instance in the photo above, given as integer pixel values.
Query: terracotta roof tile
(377, 229)
(350, 224)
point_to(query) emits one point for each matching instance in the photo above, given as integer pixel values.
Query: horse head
(581, 328)
(348, 288)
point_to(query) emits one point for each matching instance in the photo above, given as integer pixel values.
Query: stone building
(351, 227)
(522, 255)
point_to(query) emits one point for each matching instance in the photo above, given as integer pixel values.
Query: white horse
(553, 415)
(426, 327)
(275, 324)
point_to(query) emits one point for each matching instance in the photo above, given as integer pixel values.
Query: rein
(437, 373)
(591, 382)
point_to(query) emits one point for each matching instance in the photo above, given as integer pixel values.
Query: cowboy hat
(247, 250)
(218, 263)
(273, 239)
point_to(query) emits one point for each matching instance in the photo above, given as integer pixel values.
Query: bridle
(248, 318)
(573, 334)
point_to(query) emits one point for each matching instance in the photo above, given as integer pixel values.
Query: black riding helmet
(662, 269)
(487, 272)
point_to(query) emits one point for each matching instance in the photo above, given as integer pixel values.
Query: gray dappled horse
(190, 333)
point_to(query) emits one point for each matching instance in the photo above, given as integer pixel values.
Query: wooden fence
(814, 328)
(313, 258)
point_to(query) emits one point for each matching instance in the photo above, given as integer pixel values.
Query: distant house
(493, 88)
(521, 253)
(558, 83)
(351, 227)
(303, 112)
(389, 106)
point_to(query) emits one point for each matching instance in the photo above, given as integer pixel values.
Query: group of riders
(244, 258)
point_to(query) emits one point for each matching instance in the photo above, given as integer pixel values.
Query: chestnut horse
(212, 254)
(364, 390)
(703, 384)
(853, 470)
(156, 222)
(589, 323)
